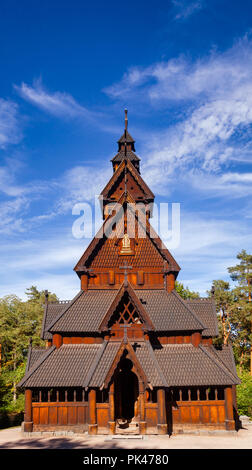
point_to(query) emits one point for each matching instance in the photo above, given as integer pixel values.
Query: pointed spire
(126, 147)
(126, 120)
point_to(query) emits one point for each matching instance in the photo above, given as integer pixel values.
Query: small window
(102, 396)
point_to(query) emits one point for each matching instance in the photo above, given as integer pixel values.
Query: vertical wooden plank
(44, 415)
(72, 415)
(162, 418)
(35, 415)
(53, 419)
(205, 414)
(92, 414)
(185, 414)
(230, 423)
(195, 414)
(213, 414)
(111, 276)
(221, 413)
(80, 415)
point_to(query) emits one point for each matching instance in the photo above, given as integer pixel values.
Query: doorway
(126, 395)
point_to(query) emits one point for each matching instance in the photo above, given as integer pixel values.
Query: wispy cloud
(57, 103)
(213, 99)
(185, 8)
(10, 131)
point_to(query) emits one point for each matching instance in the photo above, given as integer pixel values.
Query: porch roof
(87, 365)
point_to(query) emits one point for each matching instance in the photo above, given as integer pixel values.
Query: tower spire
(126, 120)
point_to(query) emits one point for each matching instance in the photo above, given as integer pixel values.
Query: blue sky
(68, 69)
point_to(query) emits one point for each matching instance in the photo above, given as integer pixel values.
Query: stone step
(127, 428)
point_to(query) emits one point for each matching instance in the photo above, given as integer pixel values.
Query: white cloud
(215, 95)
(58, 104)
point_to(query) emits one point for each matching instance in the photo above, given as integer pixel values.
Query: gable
(126, 309)
(117, 180)
(104, 252)
(133, 186)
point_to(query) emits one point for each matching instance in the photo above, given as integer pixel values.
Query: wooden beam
(162, 419)
(92, 415)
(28, 424)
(57, 340)
(142, 423)
(84, 281)
(111, 422)
(196, 338)
(230, 423)
(170, 282)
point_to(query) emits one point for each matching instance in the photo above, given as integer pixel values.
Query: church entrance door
(126, 397)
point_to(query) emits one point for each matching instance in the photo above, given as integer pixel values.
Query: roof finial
(126, 119)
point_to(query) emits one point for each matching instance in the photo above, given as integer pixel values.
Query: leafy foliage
(185, 292)
(244, 394)
(234, 309)
(20, 321)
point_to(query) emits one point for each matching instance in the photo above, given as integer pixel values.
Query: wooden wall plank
(52, 413)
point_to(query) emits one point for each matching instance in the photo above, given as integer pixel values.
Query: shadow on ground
(68, 443)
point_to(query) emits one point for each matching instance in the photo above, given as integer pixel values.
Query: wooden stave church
(128, 354)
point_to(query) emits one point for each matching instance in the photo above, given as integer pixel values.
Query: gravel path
(11, 438)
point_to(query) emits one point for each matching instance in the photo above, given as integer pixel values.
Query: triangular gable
(137, 303)
(130, 355)
(135, 174)
(111, 257)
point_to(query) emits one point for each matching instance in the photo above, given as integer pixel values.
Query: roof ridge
(158, 367)
(44, 321)
(217, 362)
(95, 364)
(28, 359)
(37, 365)
(212, 348)
(174, 292)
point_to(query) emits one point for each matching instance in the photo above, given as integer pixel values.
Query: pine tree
(242, 314)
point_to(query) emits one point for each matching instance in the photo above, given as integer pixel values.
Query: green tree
(185, 292)
(242, 311)
(244, 394)
(19, 321)
(223, 297)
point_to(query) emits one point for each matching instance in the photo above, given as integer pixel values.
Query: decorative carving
(126, 248)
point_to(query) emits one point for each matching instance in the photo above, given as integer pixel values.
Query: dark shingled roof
(85, 313)
(82, 365)
(184, 364)
(33, 356)
(51, 311)
(63, 367)
(150, 365)
(145, 356)
(168, 311)
(206, 312)
(126, 138)
(120, 156)
(103, 365)
(226, 356)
